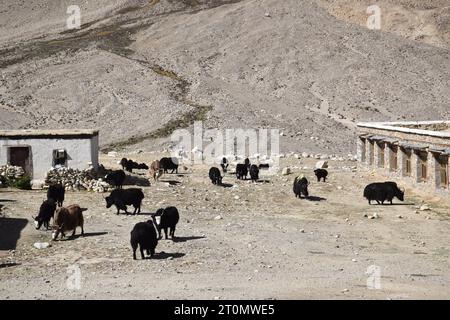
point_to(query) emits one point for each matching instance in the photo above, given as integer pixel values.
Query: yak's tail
(83, 209)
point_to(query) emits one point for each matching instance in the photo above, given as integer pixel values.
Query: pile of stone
(11, 172)
(74, 179)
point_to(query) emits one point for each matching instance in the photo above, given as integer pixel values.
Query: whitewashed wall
(80, 153)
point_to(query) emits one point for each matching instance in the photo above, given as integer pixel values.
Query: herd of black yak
(145, 235)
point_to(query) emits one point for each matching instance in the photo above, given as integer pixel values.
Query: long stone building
(411, 152)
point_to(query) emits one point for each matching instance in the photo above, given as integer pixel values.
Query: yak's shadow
(393, 204)
(184, 239)
(86, 235)
(133, 180)
(171, 182)
(9, 264)
(314, 198)
(225, 185)
(130, 213)
(165, 255)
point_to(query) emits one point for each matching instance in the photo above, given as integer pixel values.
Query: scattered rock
(322, 164)
(41, 245)
(286, 171)
(424, 207)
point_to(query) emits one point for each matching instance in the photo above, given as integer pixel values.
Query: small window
(59, 157)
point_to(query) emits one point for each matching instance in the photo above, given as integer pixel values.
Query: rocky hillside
(427, 21)
(138, 69)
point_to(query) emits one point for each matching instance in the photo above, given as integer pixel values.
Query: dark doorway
(20, 157)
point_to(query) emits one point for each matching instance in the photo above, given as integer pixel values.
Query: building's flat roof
(47, 134)
(403, 127)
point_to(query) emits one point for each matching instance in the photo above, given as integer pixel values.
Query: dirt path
(246, 241)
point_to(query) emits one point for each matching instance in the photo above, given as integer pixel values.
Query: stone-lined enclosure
(415, 152)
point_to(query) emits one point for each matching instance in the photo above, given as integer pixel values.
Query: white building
(38, 150)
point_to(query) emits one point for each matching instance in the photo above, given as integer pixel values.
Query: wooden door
(19, 156)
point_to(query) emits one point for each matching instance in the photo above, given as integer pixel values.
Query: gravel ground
(248, 240)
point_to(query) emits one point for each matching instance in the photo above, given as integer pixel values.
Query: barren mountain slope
(281, 64)
(426, 21)
(22, 19)
(308, 72)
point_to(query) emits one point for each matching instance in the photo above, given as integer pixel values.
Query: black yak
(116, 178)
(214, 175)
(224, 165)
(123, 197)
(254, 172)
(241, 171)
(301, 187)
(46, 213)
(56, 192)
(383, 191)
(144, 236)
(321, 174)
(169, 218)
(169, 164)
